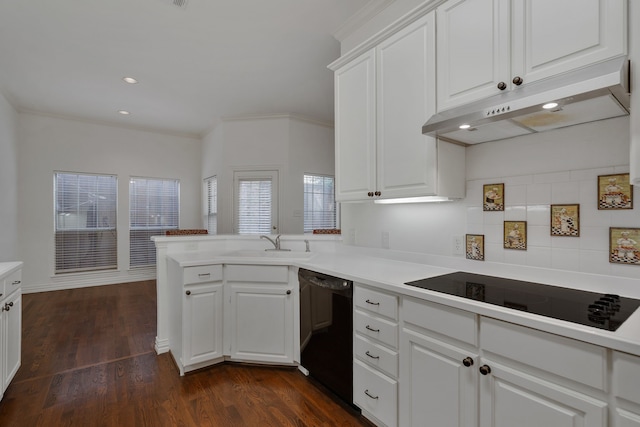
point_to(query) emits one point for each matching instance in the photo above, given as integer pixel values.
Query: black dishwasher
(326, 331)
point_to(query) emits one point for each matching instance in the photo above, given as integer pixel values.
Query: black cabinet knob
(188, 292)
(370, 194)
(485, 370)
(517, 80)
(288, 291)
(378, 193)
(467, 361)
(502, 85)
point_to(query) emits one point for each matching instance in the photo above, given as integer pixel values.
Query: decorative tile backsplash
(530, 198)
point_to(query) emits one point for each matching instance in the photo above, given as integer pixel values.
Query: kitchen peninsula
(540, 355)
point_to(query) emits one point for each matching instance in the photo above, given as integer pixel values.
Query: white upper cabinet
(486, 45)
(406, 98)
(383, 98)
(472, 50)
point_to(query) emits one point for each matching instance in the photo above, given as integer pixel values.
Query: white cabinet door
(512, 398)
(261, 323)
(375, 394)
(624, 386)
(202, 323)
(546, 43)
(484, 43)
(12, 330)
(406, 159)
(436, 386)
(3, 345)
(355, 139)
(626, 419)
(472, 50)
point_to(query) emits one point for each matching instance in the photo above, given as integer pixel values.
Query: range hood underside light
(591, 110)
(423, 199)
(590, 94)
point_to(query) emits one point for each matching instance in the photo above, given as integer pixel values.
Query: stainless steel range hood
(593, 93)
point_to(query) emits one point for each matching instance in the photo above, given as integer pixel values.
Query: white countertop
(9, 267)
(391, 275)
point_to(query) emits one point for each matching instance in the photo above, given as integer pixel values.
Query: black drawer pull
(372, 303)
(371, 355)
(370, 395)
(204, 274)
(371, 329)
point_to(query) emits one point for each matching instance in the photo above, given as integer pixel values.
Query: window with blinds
(319, 203)
(256, 202)
(154, 208)
(211, 197)
(85, 222)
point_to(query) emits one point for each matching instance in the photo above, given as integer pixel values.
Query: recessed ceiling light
(550, 105)
(124, 112)
(464, 126)
(130, 80)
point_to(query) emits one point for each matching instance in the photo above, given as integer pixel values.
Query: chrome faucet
(276, 243)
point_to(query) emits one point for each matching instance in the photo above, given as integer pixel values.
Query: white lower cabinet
(438, 366)
(626, 389)
(436, 385)
(12, 330)
(236, 312)
(196, 322)
(375, 350)
(509, 397)
(261, 320)
(262, 323)
(10, 324)
(202, 323)
(375, 394)
(472, 371)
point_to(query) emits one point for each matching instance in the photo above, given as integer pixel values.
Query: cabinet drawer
(377, 328)
(257, 273)
(12, 282)
(376, 302)
(201, 274)
(565, 357)
(626, 376)
(375, 393)
(451, 322)
(377, 356)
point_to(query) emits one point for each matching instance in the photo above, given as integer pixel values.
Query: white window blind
(85, 222)
(211, 197)
(319, 203)
(256, 202)
(154, 207)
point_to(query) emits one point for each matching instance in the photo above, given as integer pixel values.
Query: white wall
(8, 181)
(289, 144)
(538, 170)
(49, 144)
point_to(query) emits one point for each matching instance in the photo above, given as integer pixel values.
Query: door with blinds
(255, 202)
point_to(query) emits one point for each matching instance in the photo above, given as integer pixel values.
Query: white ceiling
(212, 59)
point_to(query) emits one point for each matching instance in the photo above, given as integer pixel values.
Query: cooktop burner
(604, 311)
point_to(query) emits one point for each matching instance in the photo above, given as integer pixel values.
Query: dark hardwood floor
(88, 360)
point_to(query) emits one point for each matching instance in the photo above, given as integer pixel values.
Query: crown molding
(385, 33)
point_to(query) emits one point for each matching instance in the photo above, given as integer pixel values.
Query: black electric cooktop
(604, 311)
